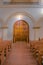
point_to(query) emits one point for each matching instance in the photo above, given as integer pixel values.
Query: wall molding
(21, 6)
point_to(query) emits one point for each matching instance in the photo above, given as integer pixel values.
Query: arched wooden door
(20, 31)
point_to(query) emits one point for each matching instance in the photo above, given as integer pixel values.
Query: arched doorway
(21, 31)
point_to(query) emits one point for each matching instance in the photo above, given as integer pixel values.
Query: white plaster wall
(39, 31)
(35, 12)
(6, 12)
(1, 31)
(5, 34)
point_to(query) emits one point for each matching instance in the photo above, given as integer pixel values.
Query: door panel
(21, 30)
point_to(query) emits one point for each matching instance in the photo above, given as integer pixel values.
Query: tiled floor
(20, 55)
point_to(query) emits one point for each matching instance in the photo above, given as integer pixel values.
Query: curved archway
(12, 19)
(20, 31)
(21, 13)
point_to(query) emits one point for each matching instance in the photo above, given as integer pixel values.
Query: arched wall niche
(27, 17)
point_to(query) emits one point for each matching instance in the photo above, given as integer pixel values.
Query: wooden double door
(21, 31)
